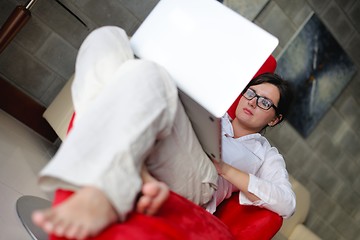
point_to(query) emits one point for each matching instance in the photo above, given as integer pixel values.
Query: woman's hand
(220, 166)
(235, 176)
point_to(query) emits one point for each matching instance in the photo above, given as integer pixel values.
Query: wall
(41, 58)
(328, 161)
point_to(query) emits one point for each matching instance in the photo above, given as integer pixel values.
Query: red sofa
(181, 219)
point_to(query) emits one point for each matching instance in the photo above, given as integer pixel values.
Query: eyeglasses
(261, 102)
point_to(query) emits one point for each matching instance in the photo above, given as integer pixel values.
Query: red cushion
(268, 66)
(178, 218)
(181, 219)
(248, 222)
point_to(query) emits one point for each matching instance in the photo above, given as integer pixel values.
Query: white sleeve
(271, 184)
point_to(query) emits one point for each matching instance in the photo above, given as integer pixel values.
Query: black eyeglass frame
(257, 100)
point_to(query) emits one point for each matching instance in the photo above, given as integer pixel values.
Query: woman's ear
(275, 121)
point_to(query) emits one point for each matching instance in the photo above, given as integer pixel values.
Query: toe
(44, 219)
(60, 229)
(38, 218)
(72, 231)
(48, 227)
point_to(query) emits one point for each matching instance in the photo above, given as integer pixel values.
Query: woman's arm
(237, 177)
(269, 188)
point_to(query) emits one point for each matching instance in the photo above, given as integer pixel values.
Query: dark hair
(285, 89)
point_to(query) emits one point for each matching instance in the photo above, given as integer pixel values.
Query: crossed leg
(88, 211)
(84, 214)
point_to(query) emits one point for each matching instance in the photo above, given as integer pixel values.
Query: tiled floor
(23, 153)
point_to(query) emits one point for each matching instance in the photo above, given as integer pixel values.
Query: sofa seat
(179, 219)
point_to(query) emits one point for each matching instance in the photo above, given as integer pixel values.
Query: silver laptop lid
(211, 51)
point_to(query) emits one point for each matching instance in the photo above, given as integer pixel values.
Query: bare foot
(154, 194)
(84, 214)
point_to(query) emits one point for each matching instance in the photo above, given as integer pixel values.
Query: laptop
(210, 51)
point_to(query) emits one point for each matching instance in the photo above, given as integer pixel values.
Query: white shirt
(269, 179)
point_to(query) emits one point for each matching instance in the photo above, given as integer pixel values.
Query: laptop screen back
(210, 51)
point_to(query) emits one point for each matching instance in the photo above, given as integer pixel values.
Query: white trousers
(128, 113)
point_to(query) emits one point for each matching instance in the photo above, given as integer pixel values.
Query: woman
(250, 164)
(130, 123)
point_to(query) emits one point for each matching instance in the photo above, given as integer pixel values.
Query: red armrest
(248, 222)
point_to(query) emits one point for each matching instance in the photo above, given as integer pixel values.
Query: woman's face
(251, 116)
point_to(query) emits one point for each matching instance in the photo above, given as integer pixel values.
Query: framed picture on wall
(319, 70)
